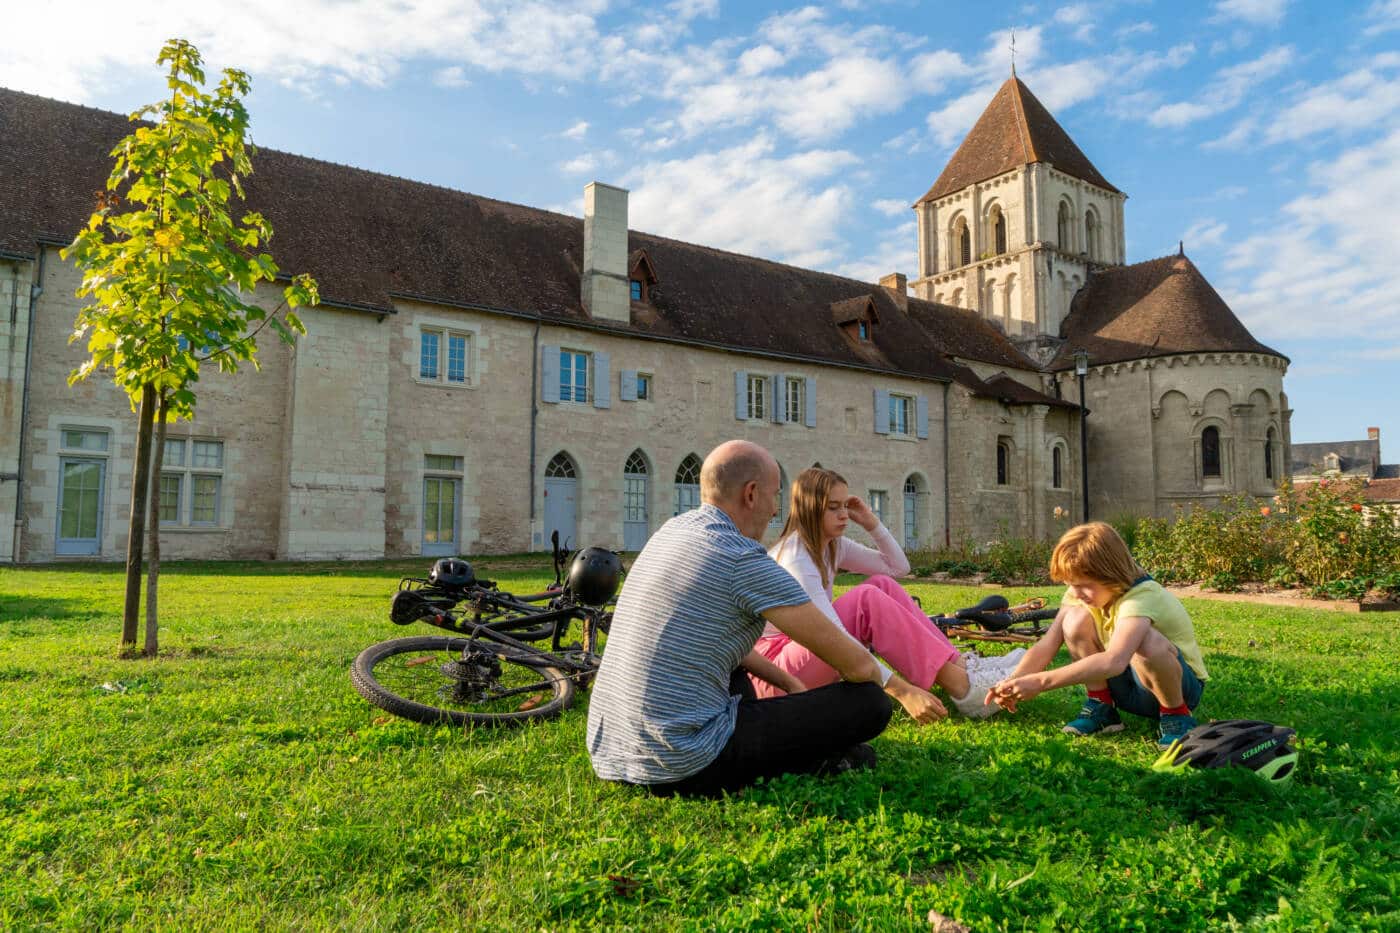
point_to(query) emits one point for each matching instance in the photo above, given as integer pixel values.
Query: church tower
(1017, 221)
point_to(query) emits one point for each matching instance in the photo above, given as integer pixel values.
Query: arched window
(1091, 234)
(1210, 451)
(688, 484)
(913, 489)
(561, 467)
(1062, 227)
(999, 231)
(1003, 463)
(635, 524)
(781, 515)
(1056, 469)
(1269, 454)
(965, 244)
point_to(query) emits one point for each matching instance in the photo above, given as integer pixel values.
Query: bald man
(671, 709)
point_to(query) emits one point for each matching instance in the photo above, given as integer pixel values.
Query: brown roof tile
(1014, 130)
(368, 238)
(1153, 308)
(1383, 490)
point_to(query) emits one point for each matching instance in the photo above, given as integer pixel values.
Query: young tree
(171, 276)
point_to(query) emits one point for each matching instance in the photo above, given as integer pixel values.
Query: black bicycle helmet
(1262, 747)
(451, 573)
(594, 576)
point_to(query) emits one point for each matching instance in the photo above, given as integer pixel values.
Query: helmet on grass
(594, 576)
(451, 573)
(1262, 747)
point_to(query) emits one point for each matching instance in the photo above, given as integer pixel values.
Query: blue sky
(1263, 133)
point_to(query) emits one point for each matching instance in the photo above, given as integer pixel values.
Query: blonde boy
(1132, 643)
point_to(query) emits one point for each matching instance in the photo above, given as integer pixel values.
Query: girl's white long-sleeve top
(850, 556)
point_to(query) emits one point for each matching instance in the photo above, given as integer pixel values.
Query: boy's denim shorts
(1132, 696)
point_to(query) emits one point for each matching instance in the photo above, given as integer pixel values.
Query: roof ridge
(1027, 146)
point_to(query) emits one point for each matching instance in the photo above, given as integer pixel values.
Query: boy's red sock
(1182, 710)
(1103, 696)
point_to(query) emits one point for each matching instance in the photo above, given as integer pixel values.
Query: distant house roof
(1383, 490)
(370, 238)
(1155, 308)
(1014, 130)
(1354, 458)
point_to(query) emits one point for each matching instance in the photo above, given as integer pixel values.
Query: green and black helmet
(1262, 747)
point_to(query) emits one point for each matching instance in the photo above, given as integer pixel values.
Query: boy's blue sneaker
(1174, 726)
(1095, 717)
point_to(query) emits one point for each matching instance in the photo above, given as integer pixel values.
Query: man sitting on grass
(673, 711)
(1132, 642)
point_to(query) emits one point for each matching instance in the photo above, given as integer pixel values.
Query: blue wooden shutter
(627, 387)
(549, 390)
(882, 411)
(922, 403)
(779, 412)
(811, 402)
(741, 401)
(602, 381)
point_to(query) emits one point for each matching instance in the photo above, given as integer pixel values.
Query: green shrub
(1018, 559)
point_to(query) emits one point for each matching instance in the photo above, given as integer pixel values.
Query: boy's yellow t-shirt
(1148, 600)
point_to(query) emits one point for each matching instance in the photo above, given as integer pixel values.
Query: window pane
(636, 290)
(643, 386)
(428, 355)
(442, 462)
(1210, 452)
(170, 497)
(85, 440)
(580, 377)
(208, 455)
(174, 451)
(204, 506)
(456, 358)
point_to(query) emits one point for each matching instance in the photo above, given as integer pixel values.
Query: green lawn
(240, 782)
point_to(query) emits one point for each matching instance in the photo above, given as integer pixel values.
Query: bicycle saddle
(990, 613)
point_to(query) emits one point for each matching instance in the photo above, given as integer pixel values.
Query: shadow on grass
(395, 567)
(30, 608)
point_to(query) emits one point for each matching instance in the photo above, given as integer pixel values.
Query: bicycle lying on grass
(489, 672)
(994, 619)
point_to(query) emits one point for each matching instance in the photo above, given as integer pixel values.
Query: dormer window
(856, 317)
(863, 331)
(642, 276)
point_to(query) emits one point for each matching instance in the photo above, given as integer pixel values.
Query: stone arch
(1173, 444)
(988, 303)
(959, 241)
(1092, 232)
(996, 228)
(956, 299)
(1064, 225)
(917, 525)
(687, 485)
(1058, 466)
(636, 500)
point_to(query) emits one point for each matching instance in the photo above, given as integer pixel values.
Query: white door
(80, 506)
(560, 509)
(440, 495)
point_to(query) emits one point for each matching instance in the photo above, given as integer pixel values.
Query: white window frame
(82, 452)
(188, 475)
(453, 474)
(444, 336)
(758, 401)
(795, 399)
(644, 387)
(570, 353)
(907, 403)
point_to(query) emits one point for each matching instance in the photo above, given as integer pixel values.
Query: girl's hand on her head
(860, 513)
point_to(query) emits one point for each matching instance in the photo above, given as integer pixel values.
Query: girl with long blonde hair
(878, 613)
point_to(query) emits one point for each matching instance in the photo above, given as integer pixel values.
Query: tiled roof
(1010, 391)
(1383, 490)
(368, 237)
(1153, 308)
(1359, 458)
(1014, 130)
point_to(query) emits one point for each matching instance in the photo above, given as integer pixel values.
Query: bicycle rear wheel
(439, 679)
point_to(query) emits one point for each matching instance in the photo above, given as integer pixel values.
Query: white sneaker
(980, 681)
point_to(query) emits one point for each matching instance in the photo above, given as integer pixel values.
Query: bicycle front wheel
(438, 679)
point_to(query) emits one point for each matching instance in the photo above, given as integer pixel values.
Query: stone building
(480, 373)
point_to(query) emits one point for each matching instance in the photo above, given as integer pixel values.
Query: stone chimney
(897, 284)
(1373, 434)
(607, 295)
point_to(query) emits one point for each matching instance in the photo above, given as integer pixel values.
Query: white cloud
(894, 251)
(340, 41)
(1080, 17)
(1135, 29)
(930, 71)
(577, 131)
(1226, 89)
(1204, 233)
(1255, 12)
(759, 59)
(1384, 16)
(891, 207)
(580, 165)
(693, 9)
(455, 76)
(1330, 267)
(748, 200)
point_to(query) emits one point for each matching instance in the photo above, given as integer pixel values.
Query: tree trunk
(135, 535)
(153, 532)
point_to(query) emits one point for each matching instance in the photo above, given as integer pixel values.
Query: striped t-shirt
(689, 610)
